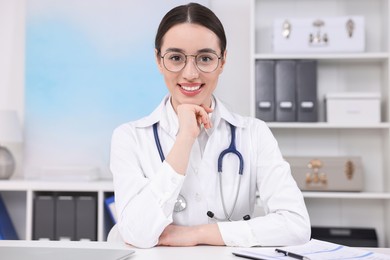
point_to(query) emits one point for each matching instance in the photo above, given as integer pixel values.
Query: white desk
(156, 253)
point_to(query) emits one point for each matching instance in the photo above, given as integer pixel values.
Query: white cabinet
(19, 195)
(337, 72)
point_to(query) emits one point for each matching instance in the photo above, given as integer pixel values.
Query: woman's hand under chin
(191, 117)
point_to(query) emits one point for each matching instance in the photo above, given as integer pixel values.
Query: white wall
(234, 87)
(12, 28)
(12, 18)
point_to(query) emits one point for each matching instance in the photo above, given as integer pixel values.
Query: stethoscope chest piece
(180, 204)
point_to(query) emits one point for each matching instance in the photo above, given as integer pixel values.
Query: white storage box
(353, 107)
(319, 34)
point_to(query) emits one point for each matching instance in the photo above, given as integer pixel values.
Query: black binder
(65, 218)
(265, 90)
(285, 79)
(86, 224)
(44, 217)
(307, 91)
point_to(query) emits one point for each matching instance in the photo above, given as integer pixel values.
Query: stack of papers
(313, 250)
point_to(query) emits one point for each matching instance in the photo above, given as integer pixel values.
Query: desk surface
(156, 253)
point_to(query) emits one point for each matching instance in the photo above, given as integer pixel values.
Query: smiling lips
(190, 89)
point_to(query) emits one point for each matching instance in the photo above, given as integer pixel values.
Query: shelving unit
(19, 199)
(337, 72)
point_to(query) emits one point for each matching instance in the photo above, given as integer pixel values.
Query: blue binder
(7, 229)
(110, 207)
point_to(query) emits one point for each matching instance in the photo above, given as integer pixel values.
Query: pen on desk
(296, 256)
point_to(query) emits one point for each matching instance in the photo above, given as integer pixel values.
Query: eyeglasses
(205, 61)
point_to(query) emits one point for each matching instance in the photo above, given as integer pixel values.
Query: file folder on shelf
(265, 90)
(65, 218)
(43, 217)
(285, 80)
(86, 218)
(307, 91)
(7, 229)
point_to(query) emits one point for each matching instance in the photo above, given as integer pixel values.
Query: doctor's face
(191, 62)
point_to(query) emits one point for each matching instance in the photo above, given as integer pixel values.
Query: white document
(313, 250)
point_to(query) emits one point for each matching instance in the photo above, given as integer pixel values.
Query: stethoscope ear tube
(210, 214)
(247, 217)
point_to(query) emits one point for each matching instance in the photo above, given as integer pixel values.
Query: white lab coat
(146, 189)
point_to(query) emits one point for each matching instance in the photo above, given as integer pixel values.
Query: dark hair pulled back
(191, 13)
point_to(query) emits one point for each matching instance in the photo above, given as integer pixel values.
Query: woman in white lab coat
(168, 190)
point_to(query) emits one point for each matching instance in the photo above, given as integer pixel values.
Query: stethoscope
(181, 203)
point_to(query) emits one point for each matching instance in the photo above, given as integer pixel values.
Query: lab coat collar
(160, 115)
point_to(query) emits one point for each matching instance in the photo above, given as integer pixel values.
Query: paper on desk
(315, 250)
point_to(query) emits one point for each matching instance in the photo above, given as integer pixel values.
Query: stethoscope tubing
(158, 144)
(231, 149)
(228, 216)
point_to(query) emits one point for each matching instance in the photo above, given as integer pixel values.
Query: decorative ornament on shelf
(10, 132)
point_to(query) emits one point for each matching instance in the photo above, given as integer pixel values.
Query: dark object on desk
(247, 256)
(7, 229)
(292, 255)
(355, 237)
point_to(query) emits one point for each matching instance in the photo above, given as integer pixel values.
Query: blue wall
(90, 66)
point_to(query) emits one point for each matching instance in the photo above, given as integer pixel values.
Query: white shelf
(24, 193)
(347, 195)
(337, 72)
(324, 125)
(39, 185)
(366, 56)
